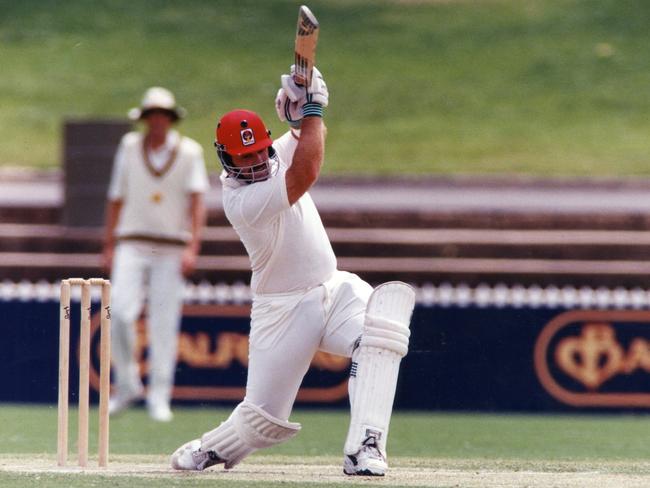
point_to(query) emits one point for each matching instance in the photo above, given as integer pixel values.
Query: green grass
(546, 87)
(32, 429)
(466, 442)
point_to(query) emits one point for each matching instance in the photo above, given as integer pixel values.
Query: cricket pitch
(407, 472)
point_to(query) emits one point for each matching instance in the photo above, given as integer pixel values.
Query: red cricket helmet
(243, 132)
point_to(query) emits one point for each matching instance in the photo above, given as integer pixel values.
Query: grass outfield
(426, 450)
(547, 87)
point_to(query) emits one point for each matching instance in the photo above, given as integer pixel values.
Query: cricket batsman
(301, 302)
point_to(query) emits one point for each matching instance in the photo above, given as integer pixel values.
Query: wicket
(84, 369)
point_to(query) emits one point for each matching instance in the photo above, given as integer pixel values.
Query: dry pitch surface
(404, 471)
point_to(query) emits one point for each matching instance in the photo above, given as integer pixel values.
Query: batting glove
(317, 92)
(287, 110)
(293, 102)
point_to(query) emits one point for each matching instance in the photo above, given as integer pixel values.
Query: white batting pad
(375, 363)
(248, 429)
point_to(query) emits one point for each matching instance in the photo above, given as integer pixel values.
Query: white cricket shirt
(287, 244)
(155, 188)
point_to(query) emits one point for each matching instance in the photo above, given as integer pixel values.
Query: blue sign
(462, 356)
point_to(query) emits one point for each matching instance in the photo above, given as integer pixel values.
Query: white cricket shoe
(121, 401)
(190, 457)
(160, 412)
(368, 461)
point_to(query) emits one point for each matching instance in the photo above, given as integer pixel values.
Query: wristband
(312, 109)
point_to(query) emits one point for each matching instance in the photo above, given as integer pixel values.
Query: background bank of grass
(547, 87)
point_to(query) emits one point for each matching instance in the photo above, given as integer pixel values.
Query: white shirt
(155, 190)
(159, 156)
(287, 244)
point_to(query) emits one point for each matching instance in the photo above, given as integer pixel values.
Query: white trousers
(152, 273)
(288, 329)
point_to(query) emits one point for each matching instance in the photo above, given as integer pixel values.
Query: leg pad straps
(248, 429)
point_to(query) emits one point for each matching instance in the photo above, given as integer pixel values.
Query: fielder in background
(301, 302)
(155, 215)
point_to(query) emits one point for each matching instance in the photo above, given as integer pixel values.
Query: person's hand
(317, 92)
(287, 110)
(188, 261)
(107, 257)
(293, 102)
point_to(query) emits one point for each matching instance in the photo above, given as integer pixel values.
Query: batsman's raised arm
(307, 159)
(302, 108)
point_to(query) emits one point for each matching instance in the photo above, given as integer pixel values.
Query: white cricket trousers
(152, 273)
(288, 329)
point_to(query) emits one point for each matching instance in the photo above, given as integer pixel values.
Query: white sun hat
(157, 98)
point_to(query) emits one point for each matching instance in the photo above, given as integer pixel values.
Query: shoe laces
(370, 446)
(205, 459)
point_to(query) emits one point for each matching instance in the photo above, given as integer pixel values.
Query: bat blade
(306, 41)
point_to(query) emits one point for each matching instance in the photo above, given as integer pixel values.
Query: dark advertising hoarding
(466, 353)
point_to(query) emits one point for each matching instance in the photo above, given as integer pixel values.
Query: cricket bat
(306, 40)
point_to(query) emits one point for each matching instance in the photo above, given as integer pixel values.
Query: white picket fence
(444, 295)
